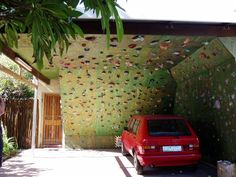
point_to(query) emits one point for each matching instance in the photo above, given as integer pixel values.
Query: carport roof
(157, 27)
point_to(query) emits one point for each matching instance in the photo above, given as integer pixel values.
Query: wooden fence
(18, 120)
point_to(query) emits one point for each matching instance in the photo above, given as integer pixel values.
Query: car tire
(123, 150)
(138, 167)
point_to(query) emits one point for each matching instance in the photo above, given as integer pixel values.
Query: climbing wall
(206, 94)
(102, 102)
(101, 88)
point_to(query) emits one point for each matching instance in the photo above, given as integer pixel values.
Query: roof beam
(15, 57)
(16, 76)
(153, 27)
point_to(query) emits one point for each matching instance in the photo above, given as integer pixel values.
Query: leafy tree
(51, 23)
(11, 88)
(15, 90)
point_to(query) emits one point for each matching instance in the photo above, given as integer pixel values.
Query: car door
(133, 135)
(128, 134)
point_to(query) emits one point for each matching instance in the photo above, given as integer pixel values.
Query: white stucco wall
(230, 44)
(43, 88)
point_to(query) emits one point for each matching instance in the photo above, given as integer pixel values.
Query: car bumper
(170, 160)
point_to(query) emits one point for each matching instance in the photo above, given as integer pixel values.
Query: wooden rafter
(154, 27)
(16, 76)
(13, 56)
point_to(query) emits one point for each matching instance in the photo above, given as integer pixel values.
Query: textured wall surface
(206, 94)
(101, 88)
(103, 102)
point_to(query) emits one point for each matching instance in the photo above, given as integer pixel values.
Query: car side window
(130, 127)
(135, 127)
(129, 123)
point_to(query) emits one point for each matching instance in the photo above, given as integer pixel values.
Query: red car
(160, 140)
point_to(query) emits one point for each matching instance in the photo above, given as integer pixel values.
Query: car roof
(159, 116)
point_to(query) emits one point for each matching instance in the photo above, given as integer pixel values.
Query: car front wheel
(123, 150)
(138, 167)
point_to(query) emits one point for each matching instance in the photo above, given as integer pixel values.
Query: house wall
(206, 88)
(43, 88)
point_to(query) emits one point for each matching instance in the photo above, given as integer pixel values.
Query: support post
(34, 114)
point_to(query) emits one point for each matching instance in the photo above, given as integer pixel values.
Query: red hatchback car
(160, 140)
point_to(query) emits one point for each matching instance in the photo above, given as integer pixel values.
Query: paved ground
(86, 163)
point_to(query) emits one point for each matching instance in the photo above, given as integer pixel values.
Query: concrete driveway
(86, 163)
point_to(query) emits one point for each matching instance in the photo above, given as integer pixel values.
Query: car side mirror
(126, 128)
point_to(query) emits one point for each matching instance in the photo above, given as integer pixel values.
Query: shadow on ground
(201, 171)
(15, 168)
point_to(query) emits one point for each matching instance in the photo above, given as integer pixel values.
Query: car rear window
(168, 127)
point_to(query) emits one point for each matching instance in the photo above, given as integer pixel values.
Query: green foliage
(9, 144)
(107, 9)
(11, 88)
(50, 23)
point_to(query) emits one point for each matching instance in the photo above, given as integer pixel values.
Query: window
(168, 127)
(130, 127)
(136, 125)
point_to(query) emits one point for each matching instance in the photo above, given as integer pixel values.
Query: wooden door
(52, 124)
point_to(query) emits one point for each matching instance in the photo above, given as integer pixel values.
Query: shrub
(10, 145)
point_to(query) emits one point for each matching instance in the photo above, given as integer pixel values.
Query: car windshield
(168, 127)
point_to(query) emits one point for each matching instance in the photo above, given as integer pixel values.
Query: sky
(181, 10)
(187, 10)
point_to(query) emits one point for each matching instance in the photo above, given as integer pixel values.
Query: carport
(160, 67)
